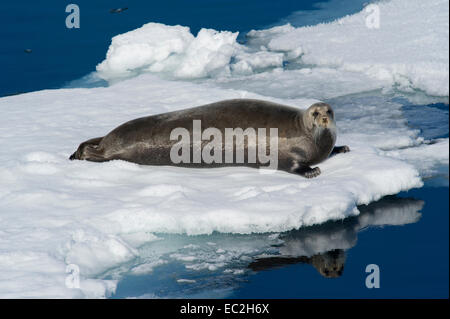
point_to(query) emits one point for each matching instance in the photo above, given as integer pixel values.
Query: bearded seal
(304, 137)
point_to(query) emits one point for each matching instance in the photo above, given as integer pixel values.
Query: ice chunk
(171, 49)
(408, 50)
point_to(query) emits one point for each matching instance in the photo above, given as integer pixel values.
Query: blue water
(60, 55)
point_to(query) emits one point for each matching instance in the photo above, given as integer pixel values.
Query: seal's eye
(315, 114)
(329, 112)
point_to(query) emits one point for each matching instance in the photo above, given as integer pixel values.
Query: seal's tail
(88, 150)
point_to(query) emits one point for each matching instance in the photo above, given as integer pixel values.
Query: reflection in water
(213, 265)
(324, 246)
(329, 264)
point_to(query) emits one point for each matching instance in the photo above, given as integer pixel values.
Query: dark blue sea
(38, 52)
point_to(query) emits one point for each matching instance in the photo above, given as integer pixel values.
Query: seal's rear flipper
(88, 150)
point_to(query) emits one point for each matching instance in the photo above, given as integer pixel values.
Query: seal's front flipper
(307, 171)
(340, 149)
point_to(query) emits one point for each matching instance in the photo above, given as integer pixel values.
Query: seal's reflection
(324, 246)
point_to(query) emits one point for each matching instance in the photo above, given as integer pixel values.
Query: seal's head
(329, 264)
(319, 115)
